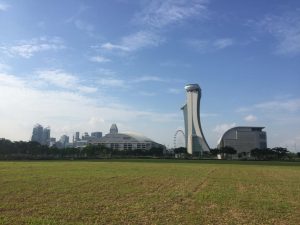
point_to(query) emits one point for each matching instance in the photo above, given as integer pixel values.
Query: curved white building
(244, 139)
(126, 141)
(195, 140)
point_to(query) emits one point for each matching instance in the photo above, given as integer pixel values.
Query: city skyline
(82, 66)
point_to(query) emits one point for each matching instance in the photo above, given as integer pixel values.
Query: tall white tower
(194, 138)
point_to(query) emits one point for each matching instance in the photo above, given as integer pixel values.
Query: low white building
(126, 141)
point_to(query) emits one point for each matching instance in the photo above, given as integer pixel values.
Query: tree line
(227, 152)
(34, 150)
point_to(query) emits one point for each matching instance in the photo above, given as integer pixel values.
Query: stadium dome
(127, 141)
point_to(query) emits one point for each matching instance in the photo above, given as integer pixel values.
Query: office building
(96, 135)
(77, 136)
(41, 135)
(64, 141)
(37, 133)
(244, 139)
(46, 136)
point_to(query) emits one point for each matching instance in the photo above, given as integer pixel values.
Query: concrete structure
(244, 139)
(126, 141)
(195, 140)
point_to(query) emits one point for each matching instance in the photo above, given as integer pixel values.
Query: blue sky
(83, 65)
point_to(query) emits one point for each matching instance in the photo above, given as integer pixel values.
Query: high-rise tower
(37, 134)
(41, 135)
(113, 129)
(194, 138)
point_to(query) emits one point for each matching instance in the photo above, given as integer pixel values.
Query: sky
(83, 65)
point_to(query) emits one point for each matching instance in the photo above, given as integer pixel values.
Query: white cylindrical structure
(195, 140)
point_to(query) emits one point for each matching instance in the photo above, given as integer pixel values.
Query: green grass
(149, 192)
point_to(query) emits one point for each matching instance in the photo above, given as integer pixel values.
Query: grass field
(149, 192)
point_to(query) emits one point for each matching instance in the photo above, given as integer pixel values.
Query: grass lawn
(149, 192)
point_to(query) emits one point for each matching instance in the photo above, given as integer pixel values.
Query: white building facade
(195, 140)
(126, 141)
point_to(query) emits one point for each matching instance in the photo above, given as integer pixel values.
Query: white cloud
(106, 72)
(205, 46)
(10, 80)
(109, 46)
(66, 112)
(27, 49)
(4, 67)
(286, 30)
(148, 78)
(99, 59)
(64, 80)
(109, 79)
(223, 43)
(4, 6)
(147, 93)
(222, 128)
(81, 25)
(250, 118)
(157, 13)
(135, 41)
(175, 90)
(86, 89)
(112, 82)
(291, 105)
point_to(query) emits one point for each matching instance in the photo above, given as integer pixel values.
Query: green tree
(280, 152)
(227, 150)
(180, 150)
(214, 151)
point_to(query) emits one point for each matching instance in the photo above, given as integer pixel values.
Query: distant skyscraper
(37, 134)
(64, 140)
(85, 136)
(41, 135)
(113, 129)
(77, 136)
(46, 136)
(195, 140)
(96, 135)
(52, 142)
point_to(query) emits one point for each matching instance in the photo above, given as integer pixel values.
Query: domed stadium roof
(125, 137)
(137, 136)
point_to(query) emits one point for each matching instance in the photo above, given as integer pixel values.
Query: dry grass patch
(151, 192)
